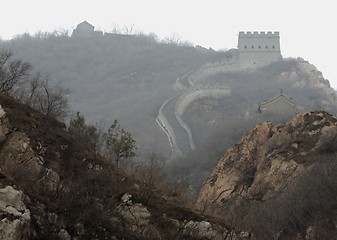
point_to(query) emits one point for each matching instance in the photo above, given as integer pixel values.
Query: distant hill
(114, 76)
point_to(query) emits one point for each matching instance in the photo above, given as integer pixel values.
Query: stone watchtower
(259, 48)
(84, 29)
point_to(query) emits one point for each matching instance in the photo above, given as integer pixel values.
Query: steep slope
(53, 188)
(279, 180)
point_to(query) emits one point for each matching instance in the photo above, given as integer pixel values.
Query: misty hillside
(296, 79)
(114, 76)
(132, 77)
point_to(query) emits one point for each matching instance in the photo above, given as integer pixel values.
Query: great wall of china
(255, 49)
(171, 111)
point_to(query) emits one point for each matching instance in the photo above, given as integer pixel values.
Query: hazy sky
(307, 28)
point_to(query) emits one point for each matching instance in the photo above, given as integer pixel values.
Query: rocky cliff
(51, 187)
(278, 181)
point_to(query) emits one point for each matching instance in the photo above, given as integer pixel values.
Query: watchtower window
(245, 47)
(273, 47)
(259, 47)
(252, 46)
(266, 46)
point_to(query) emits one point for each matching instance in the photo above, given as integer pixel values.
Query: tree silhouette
(120, 145)
(85, 134)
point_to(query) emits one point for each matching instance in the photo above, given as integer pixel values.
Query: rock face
(137, 219)
(15, 217)
(268, 161)
(315, 78)
(306, 75)
(269, 157)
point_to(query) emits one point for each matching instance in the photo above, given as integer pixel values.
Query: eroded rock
(267, 170)
(15, 217)
(135, 215)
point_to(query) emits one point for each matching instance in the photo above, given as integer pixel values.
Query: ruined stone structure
(85, 29)
(258, 48)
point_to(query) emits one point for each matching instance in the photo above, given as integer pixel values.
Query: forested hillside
(114, 76)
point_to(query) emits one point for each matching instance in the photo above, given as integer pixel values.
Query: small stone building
(279, 106)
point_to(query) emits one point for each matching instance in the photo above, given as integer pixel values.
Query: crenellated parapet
(259, 34)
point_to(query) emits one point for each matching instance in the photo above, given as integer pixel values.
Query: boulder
(15, 217)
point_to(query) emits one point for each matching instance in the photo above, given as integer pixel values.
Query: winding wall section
(194, 87)
(170, 113)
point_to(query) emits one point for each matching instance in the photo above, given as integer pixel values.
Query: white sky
(307, 28)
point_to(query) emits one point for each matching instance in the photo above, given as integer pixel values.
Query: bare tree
(11, 72)
(39, 95)
(52, 101)
(27, 91)
(33, 90)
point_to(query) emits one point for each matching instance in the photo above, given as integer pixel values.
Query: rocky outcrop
(3, 125)
(266, 164)
(138, 219)
(22, 161)
(14, 216)
(315, 78)
(269, 158)
(135, 215)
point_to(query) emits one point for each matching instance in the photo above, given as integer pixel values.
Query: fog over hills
(115, 76)
(154, 173)
(214, 98)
